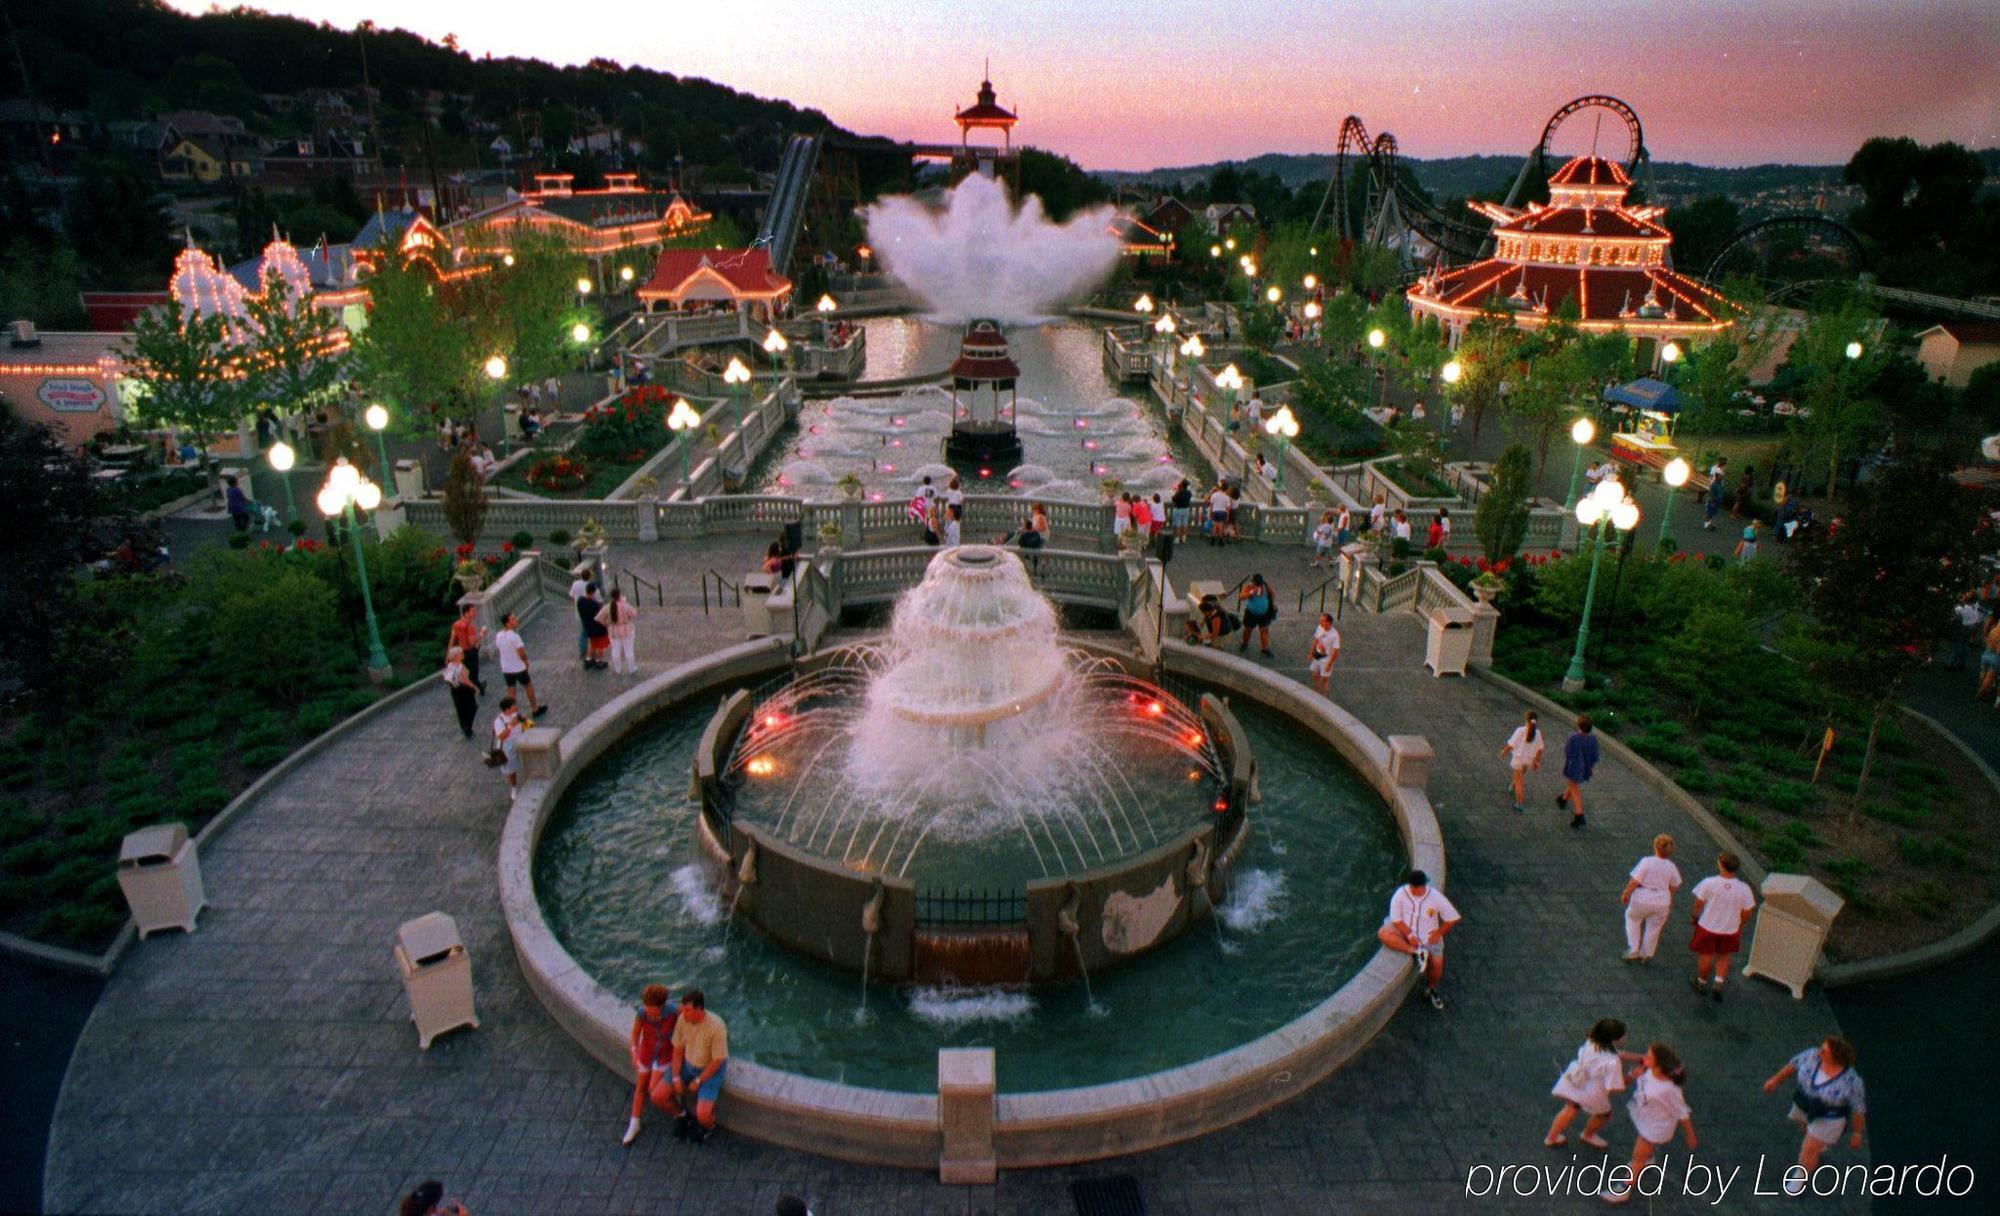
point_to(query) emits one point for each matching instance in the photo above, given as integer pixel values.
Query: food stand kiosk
(1650, 407)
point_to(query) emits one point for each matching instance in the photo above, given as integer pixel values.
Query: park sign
(69, 395)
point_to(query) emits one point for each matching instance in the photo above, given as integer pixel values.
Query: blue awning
(1645, 393)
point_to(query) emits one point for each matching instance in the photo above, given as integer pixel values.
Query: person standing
(1587, 1084)
(701, 1057)
(1722, 903)
(1648, 894)
(1323, 540)
(1325, 650)
(467, 634)
(578, 586)
(953, 525)
(1718, 486)
(1218, 515)
(1746, 487)
(1377, 514)
(621, 625)
(954, 494)
(652, 1050)
(1971, 620)
(1260, 608)
(514, 662)
(1343, 527)
(237, 503)
(507, 727)
(1746, 548)
(1828, 1100)
(1523, 751)
(597, 638)
(1182, 505)
(1419, 918)
(1580, 756)
(1989, 662)
(1657, 1106)
(1142, 518)
(464, 693)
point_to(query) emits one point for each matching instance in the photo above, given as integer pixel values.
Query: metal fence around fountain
(966, 909)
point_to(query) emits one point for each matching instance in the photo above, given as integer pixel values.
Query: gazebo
(684, 279)
(1586, 245)
(983, 441)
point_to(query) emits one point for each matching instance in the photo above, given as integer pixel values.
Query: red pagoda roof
(1590, 171)
(1582, 221)
(982, 354)
(747, 272)
(986, 111)
(1607, 295)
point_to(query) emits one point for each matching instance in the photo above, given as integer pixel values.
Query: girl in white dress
(1649, 893)
(1325, 649)
(1588, 1083)
(1523, 750)
(1657, 1106)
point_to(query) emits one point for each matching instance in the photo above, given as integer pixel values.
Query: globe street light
(1215, 251)
(506, 259)
(1192, 350)
(1376, 338)
(579, 333)
(1312, 310)
(1229, 243)
(583, 285)
(1675, 475)
(625, 274)
(1582, 431)
(1854, 350)
(496, 371)
(681, 420)
(736, 376)
(1143, 304)
(377, 419)
(345, 490)
(826, 305)
(1451, 372)
(1274, 293)
(775, 346)
(1231, 381)
(282, 458)
(1284, 428)
(1311, 282)
(1608, 503)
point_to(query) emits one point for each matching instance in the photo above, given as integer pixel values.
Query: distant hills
(1459, 176)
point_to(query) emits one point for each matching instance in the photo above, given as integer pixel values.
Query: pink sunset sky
(1124, 84)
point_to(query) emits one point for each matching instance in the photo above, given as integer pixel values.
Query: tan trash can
(409, 480)
(160, 874)
(437, 975)
(1792, 924)
(1448, 641)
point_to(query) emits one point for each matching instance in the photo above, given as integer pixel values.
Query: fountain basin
(1049, 1124)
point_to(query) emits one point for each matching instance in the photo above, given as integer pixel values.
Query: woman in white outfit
(1648, 895)
(1588, 1083)
(1523, 750)
(622, 621)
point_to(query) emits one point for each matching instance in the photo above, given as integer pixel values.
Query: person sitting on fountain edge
(1419, 917)
(701, 1057)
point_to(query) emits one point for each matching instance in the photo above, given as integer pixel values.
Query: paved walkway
(267, 1060)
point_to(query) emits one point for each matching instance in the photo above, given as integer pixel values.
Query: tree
(1700, 231)
(1486, 357)
(191, 369)
(292, 351)
(1838, 412)
(1560, 373)
(117, 222)
(464, 499)
(421, 350)
(51, 489)
(1501, 519)
(536, 299)
(1880, 591)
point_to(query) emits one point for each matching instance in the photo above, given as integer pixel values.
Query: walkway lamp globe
(775, 344)
(1451, 372)
(1230, 381)
(507, 259)
(826, 304)
(1165, 325)
(1670, 353)
(1229, 243)
(496, 368)
(582, 285)
(1376, 338)
(1274, 293)
(1312, 310)
(1215, 251)
(1581, 432)
(624, 274)
(282, 458)
(346, 489)
(1314, 251)
(377, 419)
(1312, 280)
(579, 333)
(1143, 304)
(1193, 347)
(737, 377)
(1284, 428)
(1250, 267)
(1607, 504)
(681, 420)
(1676, 475)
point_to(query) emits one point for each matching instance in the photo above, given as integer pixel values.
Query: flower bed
(614, 439)
(558, 473)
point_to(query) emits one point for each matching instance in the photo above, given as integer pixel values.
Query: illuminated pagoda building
(1585, 245)
(986, 114)
(983, 443)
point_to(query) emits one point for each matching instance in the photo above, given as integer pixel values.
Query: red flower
(506, 546)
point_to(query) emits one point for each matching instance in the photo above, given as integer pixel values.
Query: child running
(1657, 1106)
(1588, 1083)
(1523, 750)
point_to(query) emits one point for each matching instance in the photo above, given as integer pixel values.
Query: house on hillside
(1221, 217)
(1951, 352)
(1167, 214)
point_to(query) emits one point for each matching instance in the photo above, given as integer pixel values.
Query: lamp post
(736, 376)
(1606, 504)
(1283, 428)
(1230, 381)
(1192, 350)
(282, 459)
(775, 346)
(1376, 340)
(582, 287)
(345, 490)
(377, 419)
(625, 275)
(1165, 327)
(1143, 305)
(1582, 431)
(1670, 354)
(1676, 476)
(682, 420)
(496, 371)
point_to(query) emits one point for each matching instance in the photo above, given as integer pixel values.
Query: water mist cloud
(982, 257)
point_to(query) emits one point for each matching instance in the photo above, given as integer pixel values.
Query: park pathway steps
(268, 1062)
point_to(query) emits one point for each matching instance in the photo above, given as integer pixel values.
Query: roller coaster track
(1393, 203)
(785, 215)
(1820, 225)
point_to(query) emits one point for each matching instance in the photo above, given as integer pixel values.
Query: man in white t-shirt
(1419, 917)
(1722, 905)
(578, 587)
(514, 663)
(1253, 414)
(954, 495)
(1324, 652)
(1218, 515)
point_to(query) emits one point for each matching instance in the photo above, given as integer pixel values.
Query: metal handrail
(1339, 592)
(721, 585)
(659, 592)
